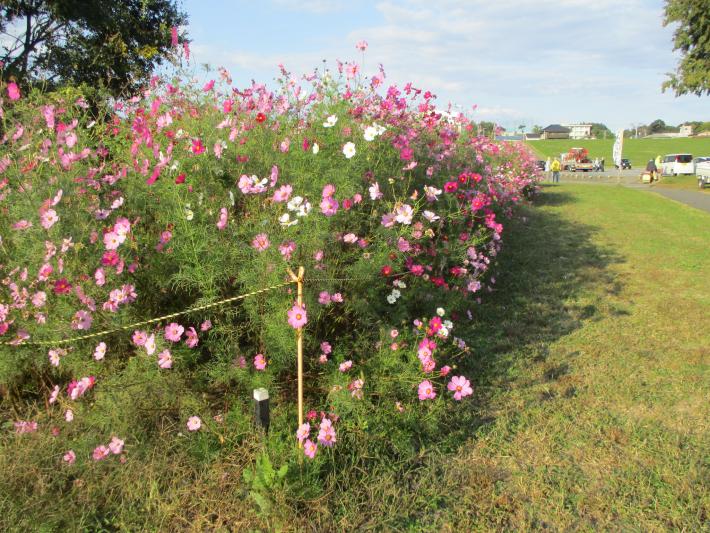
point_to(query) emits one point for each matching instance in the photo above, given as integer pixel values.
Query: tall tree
(692, 38)
(115, 44)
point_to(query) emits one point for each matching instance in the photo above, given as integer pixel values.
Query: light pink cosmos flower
(112, 240)
(55, 394)
(325, 347)
(282, 194)
(150, 344)
(173, 332)
(192, 338)
(259, 362)
(194, 423)
(426, 390)
(286, 249)
(100, 351)
(345, 366)
(69, 415)
(49, 218)
(100, 453)
(324, 298)
(82, 320)
(361, 45)
(310, 448)
(23, 426)
(460, 386)
(303, 431)
(165, 359)
(223, 217)
(297, 317)
(261, 242)
(329, 206)
(139, 338)
(206, 325)
(39, 298)
(355, 388)
(69, 457)
(337, 298)
(116, 446)
(444, 370)
(326, 435)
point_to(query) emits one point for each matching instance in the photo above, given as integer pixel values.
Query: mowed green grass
(590, 365)
(639, 151)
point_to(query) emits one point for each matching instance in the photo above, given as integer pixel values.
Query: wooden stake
(299, 344)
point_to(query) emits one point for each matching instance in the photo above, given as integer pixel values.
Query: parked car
(699, 160)
(675, 164)
(703, 173)
(625, 164)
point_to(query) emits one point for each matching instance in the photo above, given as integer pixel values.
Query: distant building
(686, 130)
(533, 136)
(579, 131)
(555, 131)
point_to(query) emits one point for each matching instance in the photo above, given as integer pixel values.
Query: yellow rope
(145, 322)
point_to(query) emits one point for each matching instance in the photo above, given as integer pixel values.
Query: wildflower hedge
(185, 195)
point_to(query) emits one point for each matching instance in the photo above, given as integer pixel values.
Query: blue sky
(520, 61)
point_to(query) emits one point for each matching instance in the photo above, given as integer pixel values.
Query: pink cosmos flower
(303, 431)
(48, 218)
(259, 362)
(206, 325)
(69, 457)
(361, 45)
(39, 298)
(322, 358)
(69, 415)
(337, 298)
(324, 298)
(286, 249)
(444, 370)
(100, 277)
(460, 386)
(326, 435)
(426, 390)
(173, 332)
(345, 366)
(13, 91)
(112, 240)
(22, 224)
(116, 445)
(261, 242)
(192, 338)
(165, 359)
(22, 426)
(139, 338)
(82, 320)
(394, 333)
(198, 147)
(223, 216)
(54, 395)
(325, 347)
(194, 423)
(310, 448)
(297, 317)
(100, 351)
(355, 388)
(100, 452)
(329, 206)
(208, 86)
(150, 344)
(282, 194)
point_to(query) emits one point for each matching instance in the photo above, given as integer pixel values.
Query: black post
(261, 408)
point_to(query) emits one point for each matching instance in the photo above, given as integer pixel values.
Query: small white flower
(294, 203)
(396, 293)
(448, 324)
(285, 220)
(330, 121)
(440, 311)
(431, 216)
(231, 198)
(370, 133)
(315, 148)
(391, 299)
(349, 149)
(404, 214)
(443, 332)
(304, 209)
(189, 215)
(399, 284)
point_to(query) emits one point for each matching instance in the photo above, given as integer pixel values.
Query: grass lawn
(682, 182)
(591, 374)
(639, 151)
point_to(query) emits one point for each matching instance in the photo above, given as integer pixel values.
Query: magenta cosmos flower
(426, 390)
(297, 317)
(460, 386)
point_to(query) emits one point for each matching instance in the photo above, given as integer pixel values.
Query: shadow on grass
(546, 264)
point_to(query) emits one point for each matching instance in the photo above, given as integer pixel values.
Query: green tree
(692, 38)
(601, 131)
(114, 44)
(486, 128)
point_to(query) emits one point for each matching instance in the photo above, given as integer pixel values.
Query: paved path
(630, 178)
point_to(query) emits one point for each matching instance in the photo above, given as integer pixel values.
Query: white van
(674, 164)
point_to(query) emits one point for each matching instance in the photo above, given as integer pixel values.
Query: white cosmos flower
(285, 220)
(391, 299)
(431, 193)
(375, 193)
(370, 133)
(396, 293)
(304, 209)
(294, 203)
(379, 129)
(448, 324)
(330, 121)
(349, 149)
(440, 311)
(316, 148)
(189, 215)
(404, 214)
(431, 216)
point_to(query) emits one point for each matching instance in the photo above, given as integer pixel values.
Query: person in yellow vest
(659, 167)
(555, 168)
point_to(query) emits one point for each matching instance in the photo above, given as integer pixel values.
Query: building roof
(556, 128)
